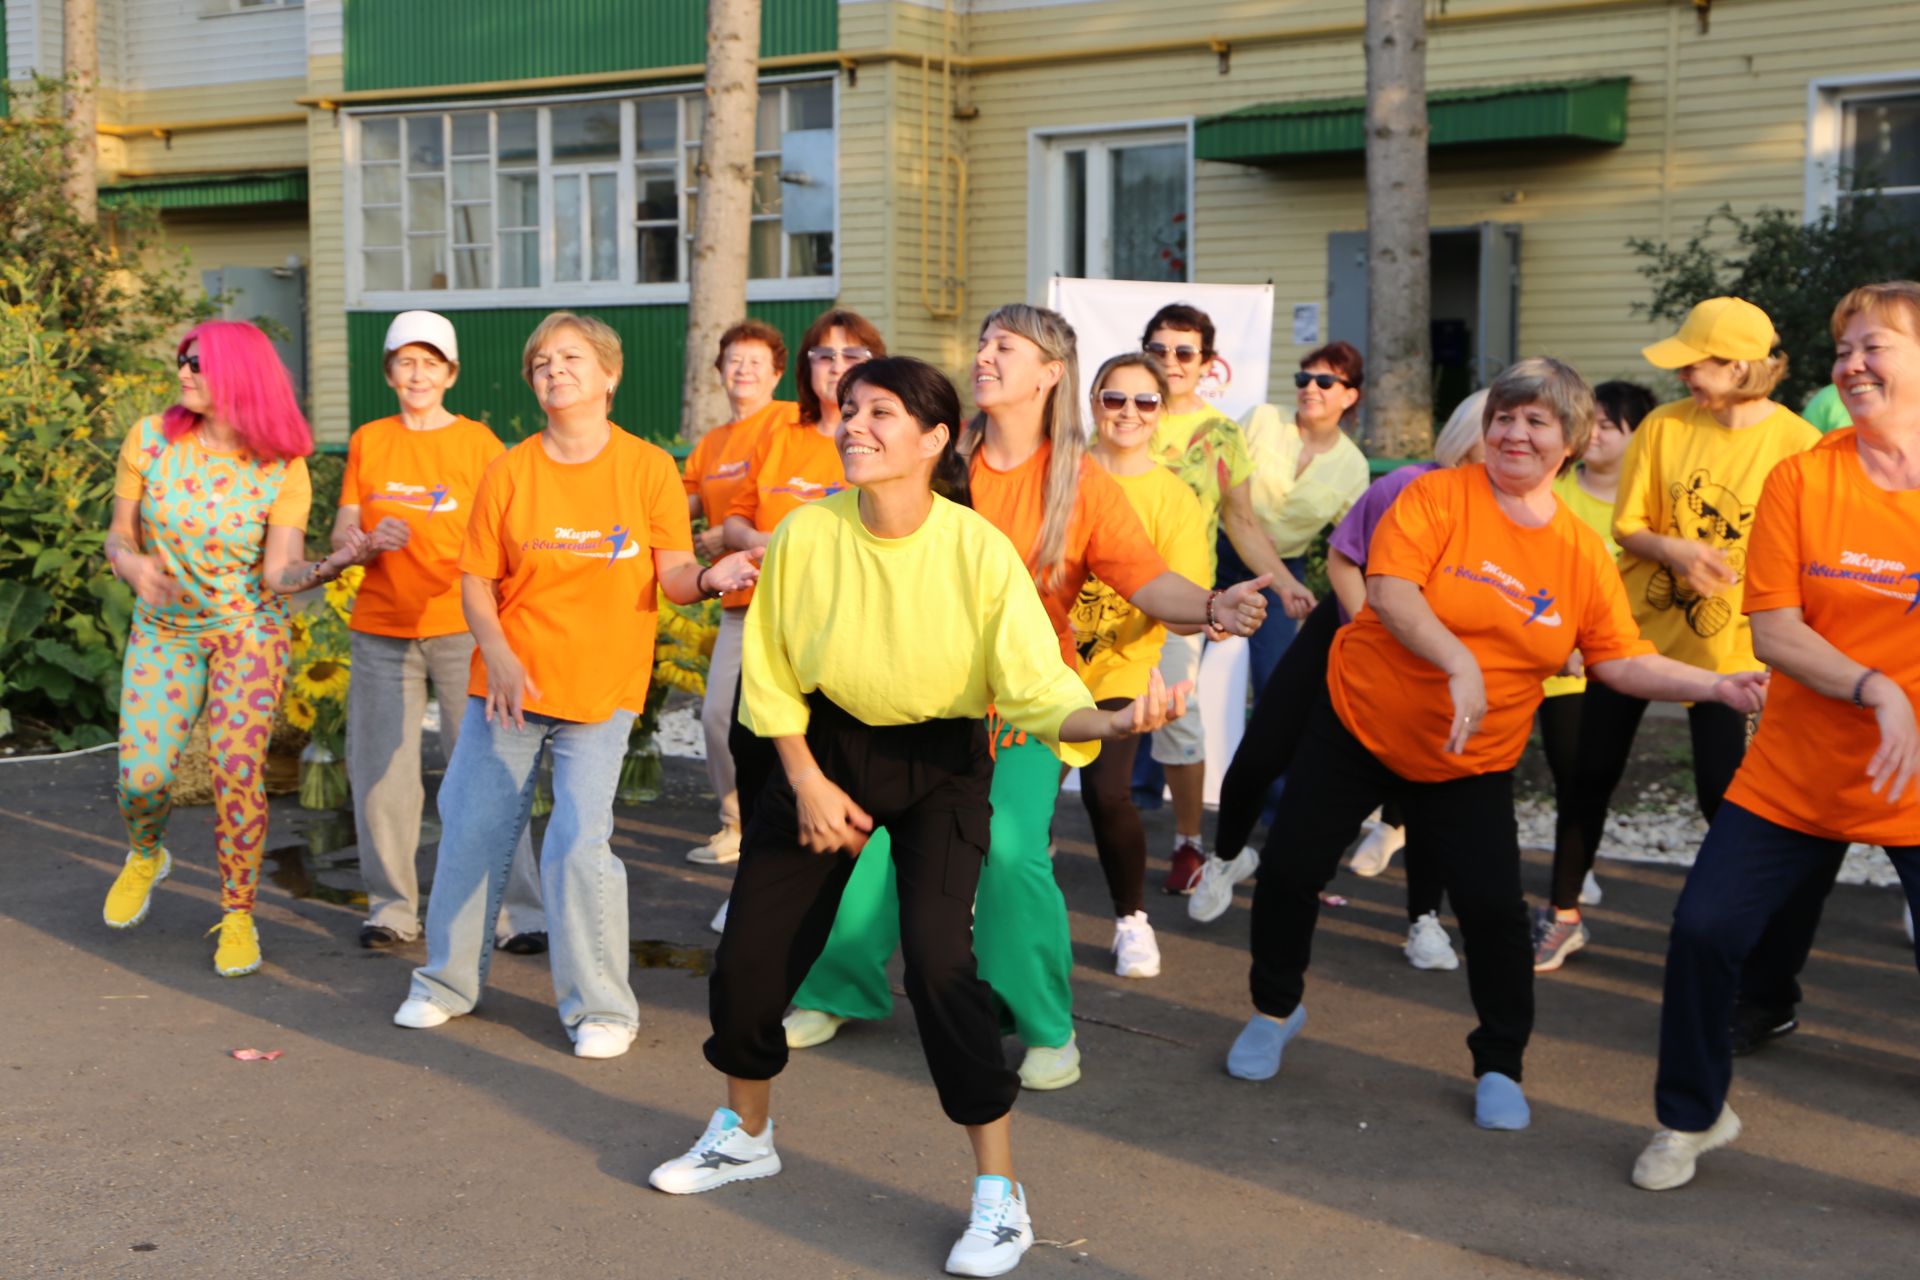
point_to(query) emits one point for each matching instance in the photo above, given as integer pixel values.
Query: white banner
(1108, 316)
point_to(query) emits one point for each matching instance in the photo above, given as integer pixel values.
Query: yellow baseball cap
(1717, 329)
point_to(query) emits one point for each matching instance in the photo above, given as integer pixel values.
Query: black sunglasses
(190, 362)
(1325, 381)
(1115, 401)
(1183, 353)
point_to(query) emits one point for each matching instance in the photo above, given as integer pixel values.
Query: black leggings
(755, 760)
(1106, 788)
(929, 784)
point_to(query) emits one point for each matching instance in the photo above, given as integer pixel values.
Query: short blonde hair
(598, 333)
(1545, 381)
(1455, 440)
(1761, 376)
(1896, 300)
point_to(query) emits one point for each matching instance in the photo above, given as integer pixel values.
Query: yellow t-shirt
(1597, 515)
(1686, 476)
(1293, 505)
(1208, 451)
(939, 625)
(1117, 645)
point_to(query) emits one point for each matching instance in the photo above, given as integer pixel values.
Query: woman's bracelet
(700, 583)
(1860, 685)
(1212, 621)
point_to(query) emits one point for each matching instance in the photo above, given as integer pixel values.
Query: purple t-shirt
(1355, 533)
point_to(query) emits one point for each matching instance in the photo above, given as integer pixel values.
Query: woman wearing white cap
(409, 487)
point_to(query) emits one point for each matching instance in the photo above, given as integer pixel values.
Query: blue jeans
(484, 806)
(1748, 871)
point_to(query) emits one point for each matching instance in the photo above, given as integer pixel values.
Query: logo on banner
(1215, 381)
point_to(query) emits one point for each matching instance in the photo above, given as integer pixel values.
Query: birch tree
(82, 58)
(1399, 399)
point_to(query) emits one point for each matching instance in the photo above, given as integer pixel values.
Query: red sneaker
(1183, 875)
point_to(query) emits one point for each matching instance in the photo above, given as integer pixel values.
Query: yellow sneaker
(132, 891)
(239, 951)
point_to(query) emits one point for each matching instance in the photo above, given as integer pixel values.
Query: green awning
(1576, 111)
(207, 191)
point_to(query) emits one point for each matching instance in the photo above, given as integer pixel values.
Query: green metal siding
(288, 187)
(1587, 111)
(490, 388)
(409, 44)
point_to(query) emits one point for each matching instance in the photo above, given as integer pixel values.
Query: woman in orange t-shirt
(1480, 583)
(1831, 590)
(408, 487)
(752, 358)
(1032, 479)
(575, 532)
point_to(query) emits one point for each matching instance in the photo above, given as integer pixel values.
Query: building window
(1114, 204)
(1880, 142)
(592, 198)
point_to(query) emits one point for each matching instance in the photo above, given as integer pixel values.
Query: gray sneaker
(1554, 939)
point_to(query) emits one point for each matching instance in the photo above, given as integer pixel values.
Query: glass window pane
(566, 229)
(810, 255)
(659, 255)
(519, 199)
(766, 124)
(470, 134)
(426, 149)
(1885, 150)
(1073, 214)
(656, 197)
(426, 204)
(519, 143)
(519, 260)
(471, 179)
(380, 184)
(382, 269)
(427, 262)
(586, 133)
(473, 268)
(604, 196)
(809, 106)
(1149, 212)
(1902, 210)
(473, 224)
(380, 139)
(380, 227)
(656, 123)
(763, 250)
(766, 185)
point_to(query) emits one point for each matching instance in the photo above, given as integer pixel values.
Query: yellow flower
(73, 501)
(299, 712)
(324, 679)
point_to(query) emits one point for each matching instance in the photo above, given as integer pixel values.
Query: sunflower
(323, 679)
(299, 712)
(299, 635)
(341, 591)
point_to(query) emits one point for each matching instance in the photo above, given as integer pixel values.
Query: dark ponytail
(931, 400)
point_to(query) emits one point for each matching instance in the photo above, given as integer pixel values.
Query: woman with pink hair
(209, 523)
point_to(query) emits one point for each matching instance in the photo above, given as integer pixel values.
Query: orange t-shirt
(722, 464)
(792, 465)
(1104, 534)
(1830, 542)
(1520, 599)
(428, 479)
(570, 546)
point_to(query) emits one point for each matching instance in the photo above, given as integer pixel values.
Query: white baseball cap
(427, 327)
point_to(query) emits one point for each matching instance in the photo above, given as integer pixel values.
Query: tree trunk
(717, 263)
(1399, 399)
(83, 81)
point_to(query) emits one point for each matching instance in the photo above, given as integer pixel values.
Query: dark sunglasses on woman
(1115, 401)
(190, 362)
(1325, 381)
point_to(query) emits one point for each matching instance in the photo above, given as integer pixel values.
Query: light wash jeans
(384, 705)
(484, 806)
(716, 712)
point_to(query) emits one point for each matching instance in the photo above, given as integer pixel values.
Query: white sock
(1179, 840)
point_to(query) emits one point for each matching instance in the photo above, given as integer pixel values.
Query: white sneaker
(602, 1039)
(1590, 891)
(1214, 894)
(1669, 1160)
(1376, 848)
(719, 922)
(723, 850)
(1136, 954)
(998, 1232)
(1047, 1067)
(809, 1027)
(420, 1014)
(1428, 946)
(725, 1153)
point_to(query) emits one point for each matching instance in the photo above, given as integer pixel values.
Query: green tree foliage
(1793, 270)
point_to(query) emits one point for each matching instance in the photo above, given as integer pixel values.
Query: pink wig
(249, 389)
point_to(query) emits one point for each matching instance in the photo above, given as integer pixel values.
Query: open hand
(509, 688)
(150, 580)
(1153, 709)
(1469, 693)
(1893, 764)
(1701, 565)
(735, 572)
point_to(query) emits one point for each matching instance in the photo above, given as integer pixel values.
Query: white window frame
(625, 291)
(1827, 101)
(1046, 239)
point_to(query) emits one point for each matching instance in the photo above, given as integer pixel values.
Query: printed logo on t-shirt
(806, 490)
(1704, 510)
(1511, 592)
(431, 499)
(592, 544)
(1882, 575)
(728, 470)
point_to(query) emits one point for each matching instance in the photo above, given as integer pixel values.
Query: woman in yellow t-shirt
(1118, 646)
(1683, 517)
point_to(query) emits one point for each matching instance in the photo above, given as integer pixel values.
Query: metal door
(276, 295)
(1496, 337)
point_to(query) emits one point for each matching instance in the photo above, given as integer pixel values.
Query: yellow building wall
(258, 146)
(214, 238)
(327, 280)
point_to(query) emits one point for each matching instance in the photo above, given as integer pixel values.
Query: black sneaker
(1755, 1027)
(377, 937)
(525, 944)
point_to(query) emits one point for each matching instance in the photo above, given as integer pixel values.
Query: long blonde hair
(1065, 430)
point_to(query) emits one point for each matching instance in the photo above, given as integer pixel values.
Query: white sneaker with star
(999, 1231)
(725, 1153)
